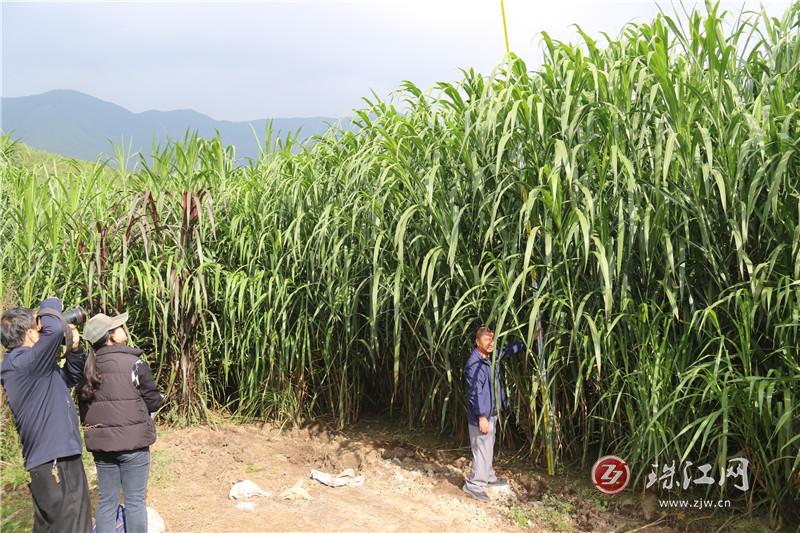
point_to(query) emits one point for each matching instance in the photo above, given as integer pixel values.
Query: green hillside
(15, 153)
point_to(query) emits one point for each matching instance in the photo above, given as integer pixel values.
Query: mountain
(75, 124)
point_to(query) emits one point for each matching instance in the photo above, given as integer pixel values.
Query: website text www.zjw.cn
(698, 503)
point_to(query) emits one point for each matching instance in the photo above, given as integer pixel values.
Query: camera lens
(75, 316)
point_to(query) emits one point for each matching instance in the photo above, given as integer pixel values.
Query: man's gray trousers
(482, 445)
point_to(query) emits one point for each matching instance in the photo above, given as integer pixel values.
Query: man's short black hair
(14, 324)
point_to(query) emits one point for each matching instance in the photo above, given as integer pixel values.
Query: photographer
(117, 395)
(37, 392)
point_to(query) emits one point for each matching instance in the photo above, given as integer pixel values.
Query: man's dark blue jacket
(481, 385)
(36, 388)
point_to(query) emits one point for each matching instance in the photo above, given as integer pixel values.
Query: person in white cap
(117, 397)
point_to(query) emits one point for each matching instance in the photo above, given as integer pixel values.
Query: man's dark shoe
(477, 494)
(499, 482)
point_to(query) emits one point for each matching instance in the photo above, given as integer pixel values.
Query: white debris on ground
(155, 524)
(347, 477)
(246, 506)
(246, 489)
(394, 471)
(296, 492)
(501, 493)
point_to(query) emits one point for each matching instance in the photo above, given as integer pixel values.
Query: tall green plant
(661, 222)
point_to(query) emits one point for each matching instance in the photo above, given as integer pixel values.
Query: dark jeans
(127, 470)
(60, 503)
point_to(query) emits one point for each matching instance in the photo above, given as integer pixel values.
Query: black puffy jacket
(118, 418)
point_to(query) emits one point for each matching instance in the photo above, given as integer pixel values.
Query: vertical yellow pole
(505, 27)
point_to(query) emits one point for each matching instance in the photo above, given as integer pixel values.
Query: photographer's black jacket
(37, 392)
(118, 418)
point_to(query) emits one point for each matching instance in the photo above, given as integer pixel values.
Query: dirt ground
(412, 483)
(407, 487)
(191, 493)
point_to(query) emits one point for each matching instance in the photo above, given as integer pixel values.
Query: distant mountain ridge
(78, 125)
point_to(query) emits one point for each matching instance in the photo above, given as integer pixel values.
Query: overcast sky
(248, 60)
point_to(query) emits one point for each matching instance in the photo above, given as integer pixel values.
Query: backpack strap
(46, 311)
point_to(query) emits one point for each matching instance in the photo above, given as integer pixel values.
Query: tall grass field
(638, 196)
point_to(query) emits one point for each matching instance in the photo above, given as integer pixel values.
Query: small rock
(461, 463)
(502, 493)
(455, 471)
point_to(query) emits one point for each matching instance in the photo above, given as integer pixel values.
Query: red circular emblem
(610, 474)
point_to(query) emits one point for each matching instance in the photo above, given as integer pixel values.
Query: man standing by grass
(484, 375)
(47, 423)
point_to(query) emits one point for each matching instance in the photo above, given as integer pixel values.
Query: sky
(268, 59)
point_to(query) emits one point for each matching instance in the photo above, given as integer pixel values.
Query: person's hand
(483, 424)
(76, 337)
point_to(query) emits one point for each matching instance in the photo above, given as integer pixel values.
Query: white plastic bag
(246, 489)
(347, 477)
